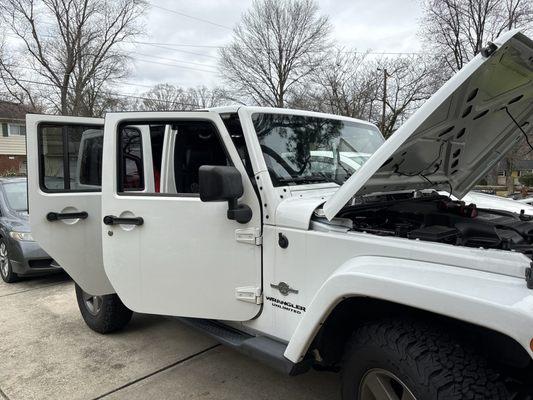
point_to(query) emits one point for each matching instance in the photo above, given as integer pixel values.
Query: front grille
(44, 263)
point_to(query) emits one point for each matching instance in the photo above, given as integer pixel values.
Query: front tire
(103, 314)
(409, 360)
(6, 270)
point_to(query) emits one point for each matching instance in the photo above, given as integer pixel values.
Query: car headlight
(22, 236)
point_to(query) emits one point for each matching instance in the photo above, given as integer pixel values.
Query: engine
(439, 219)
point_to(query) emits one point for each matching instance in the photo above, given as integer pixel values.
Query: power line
(397, 53)
(112, 81)
(167, 46)
(212, 71)
(170, 45)
(121, 94)
(177, 66)
(164, 47)
(174, 60)
(191, 17)
(176, 44)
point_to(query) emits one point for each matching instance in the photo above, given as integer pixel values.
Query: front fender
(501, 303)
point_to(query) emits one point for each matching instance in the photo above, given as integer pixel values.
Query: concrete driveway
(47, 352)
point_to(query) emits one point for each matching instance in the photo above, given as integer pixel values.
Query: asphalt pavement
(47, 352)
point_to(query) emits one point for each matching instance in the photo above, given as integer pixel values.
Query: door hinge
(249, 294)
(249, 236)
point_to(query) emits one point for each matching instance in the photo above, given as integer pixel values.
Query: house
(520, 168)
(13, 138)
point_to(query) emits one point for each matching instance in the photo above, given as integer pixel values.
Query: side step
(261, 348)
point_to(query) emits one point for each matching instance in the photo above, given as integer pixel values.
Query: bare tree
(458, 29)
(346, 84)
(352, 84)
(70, 49)
(203, 97)
(167, 97)
(411, 80)
(275, 47)
(164, 97)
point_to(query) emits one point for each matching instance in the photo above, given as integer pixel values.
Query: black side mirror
(221, 183)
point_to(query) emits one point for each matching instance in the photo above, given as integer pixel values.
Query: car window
(130, 160)
(16, 195)
(184, 146)
(70, 158)
(90, 162)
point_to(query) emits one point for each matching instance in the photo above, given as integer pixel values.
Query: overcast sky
(183, 50)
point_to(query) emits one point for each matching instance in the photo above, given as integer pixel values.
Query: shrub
(526, 180)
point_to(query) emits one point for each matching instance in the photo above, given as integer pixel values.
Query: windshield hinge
(249, 294)
(249, 236)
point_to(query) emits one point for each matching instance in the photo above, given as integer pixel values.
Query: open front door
(166, 251)
(64, 192)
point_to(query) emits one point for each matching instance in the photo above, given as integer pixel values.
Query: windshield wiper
(305, 179)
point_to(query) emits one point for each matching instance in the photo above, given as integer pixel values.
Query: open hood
(460, 133)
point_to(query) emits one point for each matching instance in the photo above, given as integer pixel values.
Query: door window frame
(66, 161)
(118, 156)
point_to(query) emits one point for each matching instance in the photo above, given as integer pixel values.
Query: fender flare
(497, 302)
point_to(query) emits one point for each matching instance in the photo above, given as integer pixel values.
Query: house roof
(523, 165)
(9, 110)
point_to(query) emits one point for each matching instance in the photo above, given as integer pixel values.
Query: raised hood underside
(460, 133)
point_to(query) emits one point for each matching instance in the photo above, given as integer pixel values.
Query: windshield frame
(248, 115)
(6, 195)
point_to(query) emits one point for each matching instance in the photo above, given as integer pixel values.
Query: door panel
(184, 259)
(61, 181)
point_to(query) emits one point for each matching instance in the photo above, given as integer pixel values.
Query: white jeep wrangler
(304, 239)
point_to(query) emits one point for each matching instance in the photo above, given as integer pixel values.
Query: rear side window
(70, 158)
(131, 160)
(90, 165)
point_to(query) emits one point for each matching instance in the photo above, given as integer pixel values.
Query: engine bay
(438, 218)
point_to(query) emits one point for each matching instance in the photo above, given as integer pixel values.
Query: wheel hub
(380, 384)
(93, 304)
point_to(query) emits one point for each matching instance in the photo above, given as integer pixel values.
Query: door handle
(112, 220)
(53, 216)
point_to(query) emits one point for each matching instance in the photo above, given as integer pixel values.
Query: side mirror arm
(239, 212)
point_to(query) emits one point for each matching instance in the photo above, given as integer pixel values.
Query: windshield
(16, 196)
(300, 149)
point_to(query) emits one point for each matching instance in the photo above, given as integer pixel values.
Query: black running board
(261, 348)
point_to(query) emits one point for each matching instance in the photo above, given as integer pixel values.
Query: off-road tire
(8, 276)
(112, 316)
(432, 362)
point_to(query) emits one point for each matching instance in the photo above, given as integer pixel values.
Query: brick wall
(12, 164)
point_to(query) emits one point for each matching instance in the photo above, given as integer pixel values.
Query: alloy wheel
(4, 260)
(93, 304)
(379, 384)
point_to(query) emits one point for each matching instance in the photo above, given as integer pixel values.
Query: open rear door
(64, 192)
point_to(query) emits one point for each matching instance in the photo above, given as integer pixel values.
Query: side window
(131, 168)
(90, 163)
(173, 154)
(197, 143)
(66, 165)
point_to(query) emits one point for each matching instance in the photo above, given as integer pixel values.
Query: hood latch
(529, 277)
